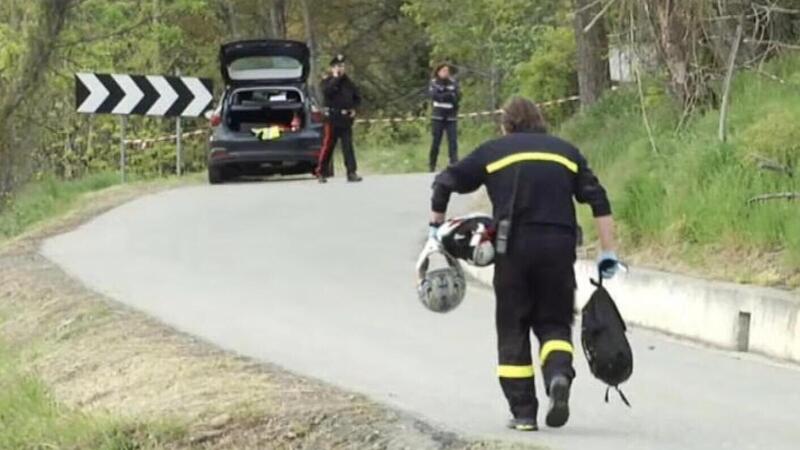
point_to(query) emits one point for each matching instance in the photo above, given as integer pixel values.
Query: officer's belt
(344, 112)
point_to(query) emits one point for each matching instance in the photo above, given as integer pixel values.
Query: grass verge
(30, 418)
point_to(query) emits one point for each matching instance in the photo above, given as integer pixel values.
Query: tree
(311, 41)
(278, 18)
(35, 57)
(594, 75)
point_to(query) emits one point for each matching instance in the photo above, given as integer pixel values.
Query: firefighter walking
(341, 99)
(532, 178)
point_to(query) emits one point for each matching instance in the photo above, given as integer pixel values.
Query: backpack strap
(621, 395)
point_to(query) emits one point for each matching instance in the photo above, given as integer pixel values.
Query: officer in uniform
(341, 100)
(445, 96)
(531, 178)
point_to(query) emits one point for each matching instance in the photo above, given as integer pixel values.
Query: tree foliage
(500, 47)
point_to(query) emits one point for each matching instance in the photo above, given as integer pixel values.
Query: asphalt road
(319, 279)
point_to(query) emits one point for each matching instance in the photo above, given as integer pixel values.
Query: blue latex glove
(607, 264)
(432, 229)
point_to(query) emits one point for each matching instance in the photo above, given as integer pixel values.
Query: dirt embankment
(102, 358)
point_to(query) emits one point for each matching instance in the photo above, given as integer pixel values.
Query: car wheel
(216, 175)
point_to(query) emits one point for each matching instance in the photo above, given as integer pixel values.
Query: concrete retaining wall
(727, 315)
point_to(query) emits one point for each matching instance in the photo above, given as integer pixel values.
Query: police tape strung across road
(463, 115)
(146, 143)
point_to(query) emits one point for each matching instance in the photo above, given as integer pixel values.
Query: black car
(266, 122)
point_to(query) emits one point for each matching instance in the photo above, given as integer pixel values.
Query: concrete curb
(727, 315)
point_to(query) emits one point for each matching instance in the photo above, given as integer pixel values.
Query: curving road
(319, 279)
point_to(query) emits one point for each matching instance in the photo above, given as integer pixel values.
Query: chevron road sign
(151, 95)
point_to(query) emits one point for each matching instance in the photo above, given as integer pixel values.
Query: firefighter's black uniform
(341, 100)
(534, 281)
(445, 96)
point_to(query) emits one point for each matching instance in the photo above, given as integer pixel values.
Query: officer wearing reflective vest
(445, 96)
(532, 178)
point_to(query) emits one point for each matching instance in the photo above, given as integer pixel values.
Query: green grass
(693, 193)
(31, 419)
(46, 198)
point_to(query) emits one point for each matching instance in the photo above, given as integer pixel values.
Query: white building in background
(620, 61)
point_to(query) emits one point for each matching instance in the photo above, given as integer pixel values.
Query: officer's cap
(338, 59)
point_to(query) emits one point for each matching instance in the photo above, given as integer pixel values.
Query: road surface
(319, 279)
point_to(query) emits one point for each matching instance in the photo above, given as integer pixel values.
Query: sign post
(123, 125)
(178, 146)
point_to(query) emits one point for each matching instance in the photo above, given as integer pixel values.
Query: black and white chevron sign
(147, 95)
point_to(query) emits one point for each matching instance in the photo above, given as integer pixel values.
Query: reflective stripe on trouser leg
(556, 359)
(509, 371)
(555, 345)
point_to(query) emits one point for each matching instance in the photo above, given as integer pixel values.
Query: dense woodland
(541, 48)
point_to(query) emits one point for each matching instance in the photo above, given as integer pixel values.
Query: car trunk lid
(264, 62)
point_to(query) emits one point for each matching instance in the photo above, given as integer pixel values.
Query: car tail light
(215, 120)
(219, 153)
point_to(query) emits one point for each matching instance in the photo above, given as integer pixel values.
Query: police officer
(341, 101)
(531, 178)
(445, 95)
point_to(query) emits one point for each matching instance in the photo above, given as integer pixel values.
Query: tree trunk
(39, 49)
(677, 28)
(594, 74)
(311, 41)
(227, 14)
(278, 16)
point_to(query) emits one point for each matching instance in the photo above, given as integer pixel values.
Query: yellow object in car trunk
(267, 133)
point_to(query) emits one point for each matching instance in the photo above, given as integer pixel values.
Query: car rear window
(265, 68)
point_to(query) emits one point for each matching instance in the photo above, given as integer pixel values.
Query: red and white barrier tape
(145, 143)
(463, 115)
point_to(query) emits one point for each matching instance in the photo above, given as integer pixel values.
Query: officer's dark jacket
(445, 95)
(340, 94)
(551, 173)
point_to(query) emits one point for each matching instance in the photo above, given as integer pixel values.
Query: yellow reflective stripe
(531, 156)
(515, 371)
(554, 346)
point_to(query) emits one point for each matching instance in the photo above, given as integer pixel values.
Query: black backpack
(604, 343)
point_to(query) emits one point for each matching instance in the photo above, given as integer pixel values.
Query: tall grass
(693, 191)
(31, 419)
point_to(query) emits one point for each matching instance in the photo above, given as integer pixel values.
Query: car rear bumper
(225, 157)
(290, 152)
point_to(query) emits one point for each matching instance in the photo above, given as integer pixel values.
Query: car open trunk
(256, 108)
(269, 61)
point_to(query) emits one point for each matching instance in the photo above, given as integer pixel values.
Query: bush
(550, 73)
(775, 136)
